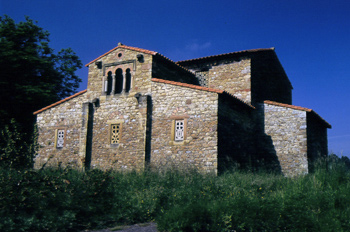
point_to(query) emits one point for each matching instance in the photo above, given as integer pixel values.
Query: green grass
(69, 200)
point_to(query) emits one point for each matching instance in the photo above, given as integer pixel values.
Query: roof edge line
(242, 101)
(298, 108)
(287, 105)
(126, 47)
(59, 102)
(230, 53)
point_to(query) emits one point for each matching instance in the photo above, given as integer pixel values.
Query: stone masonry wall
(129, 153)
(67, 116)
(233, 76)
(235, 144)
(141, 72)
(199, 109)
(165, 69)
(287, 128)
(269, 80)
(317, 141)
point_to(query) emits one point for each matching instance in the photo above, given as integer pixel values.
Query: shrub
(71, 200)
(16, 149)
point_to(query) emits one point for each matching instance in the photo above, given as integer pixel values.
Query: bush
(70, 200)
(16, 149)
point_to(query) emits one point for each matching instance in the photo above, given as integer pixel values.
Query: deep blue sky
(311, 37)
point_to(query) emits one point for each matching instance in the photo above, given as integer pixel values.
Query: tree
(32, 75)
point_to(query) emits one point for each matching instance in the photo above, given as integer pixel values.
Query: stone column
(83, 132)
(113, 84)
(124, 80)
(104, 86)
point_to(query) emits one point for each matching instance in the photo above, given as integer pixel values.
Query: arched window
(127, 80)
(108, 85)
(118, 80)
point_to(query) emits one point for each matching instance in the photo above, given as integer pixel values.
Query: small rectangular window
(115, 133)
(60, 138)
(179, 130)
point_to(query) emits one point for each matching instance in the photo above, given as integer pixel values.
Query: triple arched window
(118, 82)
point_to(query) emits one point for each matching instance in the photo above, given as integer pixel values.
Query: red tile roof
(298, 108)
(228, 54)
(200, 88)
(126, 47)
(143, 51)
(287, 105)
(59, 102)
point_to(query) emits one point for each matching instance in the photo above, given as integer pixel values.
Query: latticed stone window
(115, 133)
(202, 77)
(60, 138)
(178, 135)
(179, 130)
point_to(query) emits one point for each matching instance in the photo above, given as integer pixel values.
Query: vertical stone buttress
(85, 149)
(145, 107)
(148, 131)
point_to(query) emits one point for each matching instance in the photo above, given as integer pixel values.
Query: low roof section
(323, 121)
(60, 102)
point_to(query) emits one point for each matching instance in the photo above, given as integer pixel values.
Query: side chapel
(141, 109)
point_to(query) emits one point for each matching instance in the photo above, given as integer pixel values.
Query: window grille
(115, 133)
(60, 138)
(179, 130)
(202, 77)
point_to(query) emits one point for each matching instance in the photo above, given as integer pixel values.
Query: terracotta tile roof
(227, 54)
(298, 108)
(201, 88)
(143, 51)
(237, 98)
(287, 105)
(59, 102)
(126, 47)
(175, 63)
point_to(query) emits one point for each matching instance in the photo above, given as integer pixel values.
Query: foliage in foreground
(69, 200)
(16, 149)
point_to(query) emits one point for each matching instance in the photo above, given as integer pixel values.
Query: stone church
(141, 109)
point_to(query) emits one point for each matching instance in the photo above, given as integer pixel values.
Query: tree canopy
(32, 75)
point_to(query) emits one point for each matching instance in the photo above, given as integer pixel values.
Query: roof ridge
(139, 50)
(185, 69)
(230, 53)
(126, 47)
(59, 102)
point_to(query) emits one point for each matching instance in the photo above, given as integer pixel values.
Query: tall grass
(69, 200)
